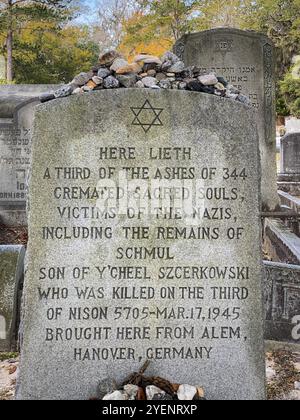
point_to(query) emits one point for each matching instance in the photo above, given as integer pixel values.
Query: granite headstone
(290, 154)
(11, 278)
(16, 118)
(246, 60)
(282, 302)
(143, 245)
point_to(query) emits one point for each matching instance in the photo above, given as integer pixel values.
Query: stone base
(281, 331)
(290, 187)
(282, 301)
(11, 283)
(13, 217)
(289, 178)
(280, 243)
(290, 201)
(272, 346)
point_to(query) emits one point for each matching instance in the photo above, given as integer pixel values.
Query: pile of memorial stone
(147, 71)
(151, 392)
(140, 387)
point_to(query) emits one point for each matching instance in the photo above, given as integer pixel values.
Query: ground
(8, 375)
(283, 370)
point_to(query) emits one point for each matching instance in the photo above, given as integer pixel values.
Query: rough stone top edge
(280, 345)
(290, 135)
(29, 86)
(12, 248)
(10, 104)
(272, 264)
(289, 238)
(146, 93)
(29, 90)
(247, 33)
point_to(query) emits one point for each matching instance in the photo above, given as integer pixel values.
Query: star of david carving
(147, 116)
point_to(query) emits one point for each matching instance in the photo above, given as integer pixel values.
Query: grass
(7, 356)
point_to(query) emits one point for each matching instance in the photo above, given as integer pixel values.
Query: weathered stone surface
(92, 84)
(87, 88)
(131, 391)
(11, 278)
(81, 79)
(149, 82)
(196, 86)
(119, 63)
(282, 302)
(290, 154)
(151, 73)
(97, 80)
(46, 97)
(169, 57)
(16, 117)
(108, 58)
(64, 91)
(139, 84)
(106, 386)
(148, 59)
(177, 67)
(186, 392)
(208, 79)
(111, 82)
(153, 392)
(129, 68)
(161, 76)
(152, 60)
(220, 87)
(127, 80)
(243, 99)
(246, 60)
(116, 396)
(171, 134)
(103, 73)
(165, 84)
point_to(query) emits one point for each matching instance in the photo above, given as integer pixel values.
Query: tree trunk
(9, 61)
(9, 44)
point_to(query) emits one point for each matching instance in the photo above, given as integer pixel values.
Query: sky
(90, 11)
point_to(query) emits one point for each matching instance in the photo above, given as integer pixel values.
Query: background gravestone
(289, 177)
(16, 117)
(198, 320)
(246, 60)
(290, 154)
(11, 278)
(282, 302)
